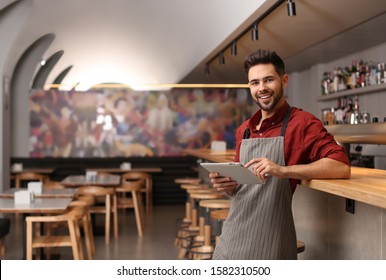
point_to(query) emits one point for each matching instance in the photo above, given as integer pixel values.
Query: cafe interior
(109, 107)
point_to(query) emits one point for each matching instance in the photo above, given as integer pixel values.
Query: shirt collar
(276, 118)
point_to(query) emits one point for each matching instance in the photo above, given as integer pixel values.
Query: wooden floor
(157, 242)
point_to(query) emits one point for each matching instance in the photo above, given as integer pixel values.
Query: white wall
(11, 20)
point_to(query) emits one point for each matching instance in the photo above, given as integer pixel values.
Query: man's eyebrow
(264, 78)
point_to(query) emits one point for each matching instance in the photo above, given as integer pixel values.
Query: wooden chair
(53, 185)
(147, 188)
(73, 239)
(135, 201)
(29, 177)
(109, 206)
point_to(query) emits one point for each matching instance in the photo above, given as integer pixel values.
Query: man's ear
(284, 80)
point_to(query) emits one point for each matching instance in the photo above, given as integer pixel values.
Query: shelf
(351, 92)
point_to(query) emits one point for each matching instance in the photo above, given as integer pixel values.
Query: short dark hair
(264, 57)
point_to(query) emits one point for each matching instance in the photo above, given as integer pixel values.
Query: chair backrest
(53, 185)
(28, 176)
(133, 176)
(31, 176)
(94, 190)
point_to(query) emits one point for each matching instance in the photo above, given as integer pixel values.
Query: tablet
(235, 170)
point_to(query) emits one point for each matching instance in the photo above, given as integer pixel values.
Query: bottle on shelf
(357, 113)
(339, 113)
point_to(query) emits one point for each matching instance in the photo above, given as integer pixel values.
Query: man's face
(267, 87)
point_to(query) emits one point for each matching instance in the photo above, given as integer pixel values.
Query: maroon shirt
(305, 141)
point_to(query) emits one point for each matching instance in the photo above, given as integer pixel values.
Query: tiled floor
(157, 242)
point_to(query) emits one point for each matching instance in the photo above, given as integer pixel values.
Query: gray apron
(260, 223)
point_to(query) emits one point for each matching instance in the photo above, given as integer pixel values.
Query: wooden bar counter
(366, 185)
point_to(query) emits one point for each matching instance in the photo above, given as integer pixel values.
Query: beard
(271, 105)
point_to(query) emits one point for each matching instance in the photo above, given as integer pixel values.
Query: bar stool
(300, 246)
(187, 220)
(206, 250)
(196, 196)
(187, 180)
(219, 216)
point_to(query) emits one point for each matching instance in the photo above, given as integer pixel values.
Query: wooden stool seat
(187, 181)
(219, 214)
(216, 203)
(207, 195)
(194, 186)
(300, 246)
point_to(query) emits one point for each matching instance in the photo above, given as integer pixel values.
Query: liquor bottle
(353, 75)
(324, 83)
(339, 112)
(349, 115)
(335, 81)
(357, 113)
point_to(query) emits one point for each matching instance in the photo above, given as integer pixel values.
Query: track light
(255, 32)
(206, 70)
(221, 58)
(234, 48)
(291, 8)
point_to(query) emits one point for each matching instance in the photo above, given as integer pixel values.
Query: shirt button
(261, 134)
(273, 123)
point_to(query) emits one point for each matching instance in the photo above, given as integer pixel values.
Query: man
(281, 145)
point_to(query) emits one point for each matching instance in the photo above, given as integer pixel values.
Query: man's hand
(223, 184)
(264, 168)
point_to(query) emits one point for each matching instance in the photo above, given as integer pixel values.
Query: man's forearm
(325, 168)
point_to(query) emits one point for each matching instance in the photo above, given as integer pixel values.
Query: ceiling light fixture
(221, 58)
(234, 48)
(255, 32)
(291, 8)
(206, 70)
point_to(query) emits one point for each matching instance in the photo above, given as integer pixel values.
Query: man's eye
(253, 83)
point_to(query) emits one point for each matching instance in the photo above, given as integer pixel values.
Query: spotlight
(291, 8)
(255, 32)
(206, 70)
(234, 48)
(221, 58)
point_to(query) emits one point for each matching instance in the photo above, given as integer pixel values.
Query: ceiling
(169, 41)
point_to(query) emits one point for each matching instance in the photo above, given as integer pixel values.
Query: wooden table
(121, 170)
(46, 193)
(215, 156)
(98, 180)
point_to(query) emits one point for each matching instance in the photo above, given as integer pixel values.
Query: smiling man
(281, 145)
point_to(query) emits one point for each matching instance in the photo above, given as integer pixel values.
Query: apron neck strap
(285, 121)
